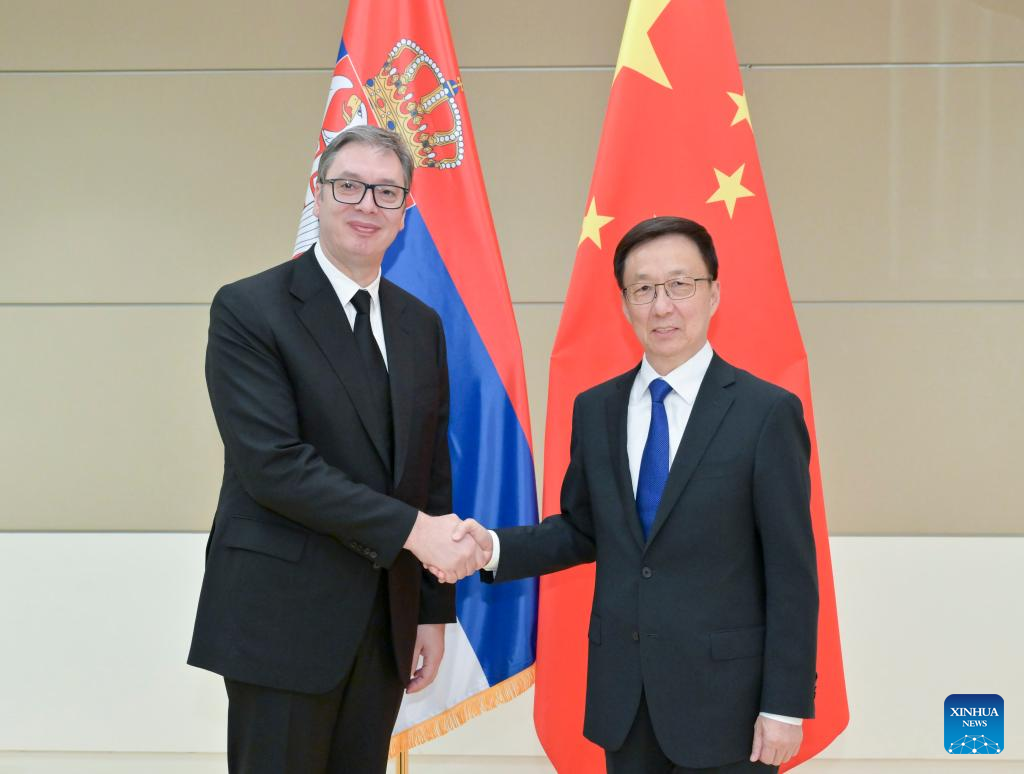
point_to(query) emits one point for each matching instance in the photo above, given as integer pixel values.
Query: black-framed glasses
(677, 288)
(385, 195)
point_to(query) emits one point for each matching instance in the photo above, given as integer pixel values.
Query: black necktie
(376, 371)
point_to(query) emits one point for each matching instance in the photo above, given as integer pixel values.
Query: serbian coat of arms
(409, 96)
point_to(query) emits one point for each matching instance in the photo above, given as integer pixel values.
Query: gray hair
(375, 137)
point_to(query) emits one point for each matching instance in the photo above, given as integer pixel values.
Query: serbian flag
(396, 69)
(677, 140)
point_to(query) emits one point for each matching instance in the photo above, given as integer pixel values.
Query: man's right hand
(480, 534)
(431, 541)
(469, 530)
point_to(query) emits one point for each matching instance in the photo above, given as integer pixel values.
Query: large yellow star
(742, 113)
(637, 52)
(592, 224)
(729, 189)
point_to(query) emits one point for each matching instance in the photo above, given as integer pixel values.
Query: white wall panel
(98, 629)
(209, 763)
(922, 618)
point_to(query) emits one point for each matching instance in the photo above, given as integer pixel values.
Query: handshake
(449, 547)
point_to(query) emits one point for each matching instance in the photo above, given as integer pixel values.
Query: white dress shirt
(685, 382)
(346, 288)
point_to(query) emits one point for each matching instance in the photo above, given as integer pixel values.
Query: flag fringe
(462, 712)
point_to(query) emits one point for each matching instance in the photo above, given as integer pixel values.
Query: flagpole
(402, 763)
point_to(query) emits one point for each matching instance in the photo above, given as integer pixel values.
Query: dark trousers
(344, 731)
(641, 754)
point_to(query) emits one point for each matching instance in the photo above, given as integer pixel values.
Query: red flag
(397, 69)
(677, 140)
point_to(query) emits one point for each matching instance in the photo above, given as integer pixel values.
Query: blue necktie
(654, 463)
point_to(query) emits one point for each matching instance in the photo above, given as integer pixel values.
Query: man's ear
(317, 188)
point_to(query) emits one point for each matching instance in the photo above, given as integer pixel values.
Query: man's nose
(368, 203)
(662, 304)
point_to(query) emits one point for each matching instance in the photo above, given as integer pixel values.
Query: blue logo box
(974, 724)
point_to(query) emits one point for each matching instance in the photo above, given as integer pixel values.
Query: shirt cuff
(492, 566)
(783, 719)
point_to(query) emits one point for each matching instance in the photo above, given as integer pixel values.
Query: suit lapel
(323, 316)
(616, 407)
(401, 357)
(709, 408)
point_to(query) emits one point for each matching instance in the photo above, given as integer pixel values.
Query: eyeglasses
(385, 195)
(677, 288)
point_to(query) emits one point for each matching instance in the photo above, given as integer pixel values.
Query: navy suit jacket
(714, 617)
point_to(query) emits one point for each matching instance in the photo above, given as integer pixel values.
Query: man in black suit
(329, 385)
(688, 484)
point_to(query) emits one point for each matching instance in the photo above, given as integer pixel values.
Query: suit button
(636, 636)
(373, 554)
(647, 572)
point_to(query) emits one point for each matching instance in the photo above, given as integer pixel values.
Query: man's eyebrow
(345, 175)
(673, 273)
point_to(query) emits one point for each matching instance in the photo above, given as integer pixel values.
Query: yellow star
(729, 189)
(742, 113)
(592, 225)
(636, 51)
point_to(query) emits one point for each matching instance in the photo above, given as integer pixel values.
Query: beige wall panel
(537, 33)
(106, 421)
(179, 165)
(929, 158)
(909, 444)
(812, 31)
(151, 187)
(119, 35)
(191, 34)
(153, 35)
(895, 184)
(919, 418)
(538, 134)
(538, 324)
(109, 422)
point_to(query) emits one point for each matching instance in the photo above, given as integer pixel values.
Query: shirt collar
(684, 380)
(344, 285)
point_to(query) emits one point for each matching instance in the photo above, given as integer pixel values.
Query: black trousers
(344, 731)
(641, 754)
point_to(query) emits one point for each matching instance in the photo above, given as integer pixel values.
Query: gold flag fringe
(462, 712)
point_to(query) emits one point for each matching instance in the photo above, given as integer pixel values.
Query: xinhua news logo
(974, 724)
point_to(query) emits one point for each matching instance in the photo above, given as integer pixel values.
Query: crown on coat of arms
(412, 97)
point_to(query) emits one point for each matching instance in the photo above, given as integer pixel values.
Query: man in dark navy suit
(330, 389)
(688, 484)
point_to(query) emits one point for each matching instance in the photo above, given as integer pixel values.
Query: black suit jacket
(311, 512)
(714, 618)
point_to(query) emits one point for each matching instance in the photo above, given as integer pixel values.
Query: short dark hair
(375, 137)
(648, 230)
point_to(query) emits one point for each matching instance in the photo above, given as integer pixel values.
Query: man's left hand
(429, 645)
(775, 742)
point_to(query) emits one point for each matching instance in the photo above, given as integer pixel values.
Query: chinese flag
(677, 140)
